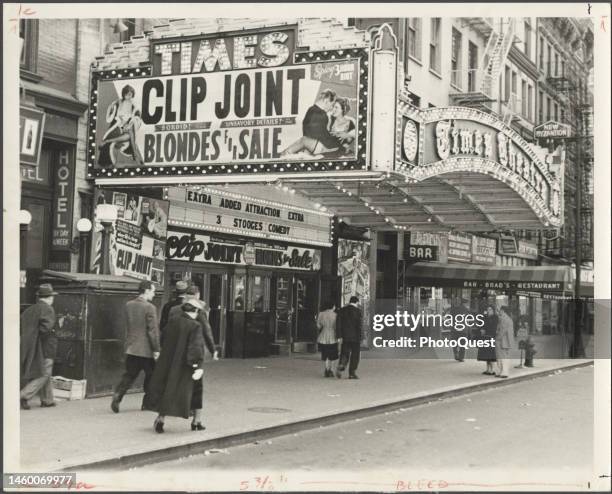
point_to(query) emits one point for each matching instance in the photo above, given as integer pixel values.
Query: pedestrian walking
(141, 342)
(462, 309)
(348, 329)
(488, 332)
(178, 367)
(180, 288)
(504, 341)
(327, 339)
(38, 346)
(197, 399)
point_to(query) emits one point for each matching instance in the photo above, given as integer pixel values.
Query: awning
(539, 279)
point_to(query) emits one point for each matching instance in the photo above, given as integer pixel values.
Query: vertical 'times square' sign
(230, 103)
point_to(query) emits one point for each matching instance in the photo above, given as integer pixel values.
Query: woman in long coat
(488, 332)
(180, 359)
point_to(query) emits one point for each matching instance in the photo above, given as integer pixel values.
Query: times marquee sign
(226, 104)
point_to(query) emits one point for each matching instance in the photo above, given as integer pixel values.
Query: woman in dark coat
(487, 354)
(178, 365)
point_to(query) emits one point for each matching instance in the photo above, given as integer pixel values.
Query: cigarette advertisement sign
(31, 128)
(229, 108)
(137, 240)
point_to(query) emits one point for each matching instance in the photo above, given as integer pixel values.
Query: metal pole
(106, 233)
(83, 251)
(578, 350)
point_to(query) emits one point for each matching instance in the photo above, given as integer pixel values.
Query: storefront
(48, 137)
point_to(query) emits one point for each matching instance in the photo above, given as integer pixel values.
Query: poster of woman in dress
(119, 144)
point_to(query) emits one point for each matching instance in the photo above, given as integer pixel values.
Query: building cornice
(55, 100)
(523, 62)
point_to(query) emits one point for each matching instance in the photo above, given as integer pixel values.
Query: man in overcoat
(348, 331)
(38, 346)
(141, 342)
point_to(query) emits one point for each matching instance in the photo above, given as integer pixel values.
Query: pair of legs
(350, 354)
(126, 139)
(490, 370)
(133, 366)
(503, 367)
(196, 406)
(313, 146)
(40, 386)
(329, 367)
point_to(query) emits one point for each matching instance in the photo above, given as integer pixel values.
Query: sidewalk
(244, 400)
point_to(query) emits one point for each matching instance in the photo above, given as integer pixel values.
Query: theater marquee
(227, 104)
(436, 141)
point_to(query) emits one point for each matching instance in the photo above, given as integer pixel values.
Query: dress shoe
(115, 405)
(45, 405)
(353, 376)
(158, 425)
(197, 426)
(339, 374)
(24, 404)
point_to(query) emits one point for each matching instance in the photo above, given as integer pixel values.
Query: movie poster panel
(354, 271)
(237, 117)
(137, 240)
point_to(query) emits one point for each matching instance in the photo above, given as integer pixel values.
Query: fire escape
(483, 80)
(565, 79)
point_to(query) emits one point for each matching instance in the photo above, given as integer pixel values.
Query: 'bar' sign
(421, 253)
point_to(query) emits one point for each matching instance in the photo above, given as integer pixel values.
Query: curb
(199, 447)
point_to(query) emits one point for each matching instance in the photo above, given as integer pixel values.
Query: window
(513, 96)
(507, 83)
(556, 112)
(549, 60)
(434, 44)
(414, 37)
(540, 107)
(562, 115)
(557, 64)
(414, 100)
(541, 58)
(530, 103)
(28, 32)
(527, 39)
(456, 59)
(523, 98)
(472, 65)
(131, 29)
(548, 108)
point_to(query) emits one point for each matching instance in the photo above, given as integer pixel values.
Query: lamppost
(107, 215)
(25, 218)
(84, 227)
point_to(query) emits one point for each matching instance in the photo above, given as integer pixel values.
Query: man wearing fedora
(141, 342)
(38, 346)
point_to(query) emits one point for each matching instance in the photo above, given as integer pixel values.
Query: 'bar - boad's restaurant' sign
(444, 140)
(230, 103)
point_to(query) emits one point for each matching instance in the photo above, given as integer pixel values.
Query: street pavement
(242, 398)
(543, 424)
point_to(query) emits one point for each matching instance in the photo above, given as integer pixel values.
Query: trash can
(90, 327)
